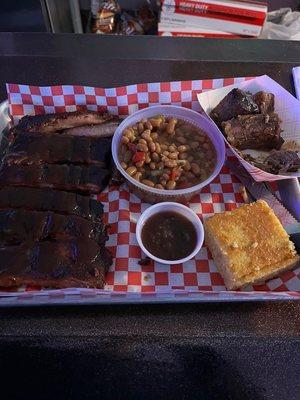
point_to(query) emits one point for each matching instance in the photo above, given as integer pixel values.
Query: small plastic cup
(180, 209)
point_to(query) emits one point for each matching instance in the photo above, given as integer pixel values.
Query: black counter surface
(184, 351)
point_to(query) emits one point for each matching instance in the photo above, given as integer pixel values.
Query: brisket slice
(57, 264)
(36, 148)
(253, 131)
(265, 102)
(237, 102)
(280, 161)
(50, 200)
(107, 129)
(89, 179)
(49, 123)
(19, 226)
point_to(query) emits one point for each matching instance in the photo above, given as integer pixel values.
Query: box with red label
(236, 17)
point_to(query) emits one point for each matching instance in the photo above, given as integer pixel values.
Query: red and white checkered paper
(127, 281)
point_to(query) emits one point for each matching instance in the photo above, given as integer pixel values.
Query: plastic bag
(282, 24)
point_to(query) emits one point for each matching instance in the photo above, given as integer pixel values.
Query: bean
(128, 132)
(158, 186)
(141, 170)
(137, 176)
(172, 148)
(152, 147)
(148, 125)
(154, 135)
(134, 128)
(190, 158)
(125, 139)
(142, 147)
(163, 147)
(166, 153)
(173, 156)
(155, 157)
(163, 126)
(181, 139)
(146, 135)
(142, 141)
(140, 127)
(123, 165)
(163, 182)
(182, 148)
(170, 129)
(170, 163)
(187, 166)
(140, 163)
(161, 165)
(171, 185)
(183, 156)
(156, 122)
(195, 145)
(195, 168)
(206, 146)
(157, 148)
(165, 176)
(131, 170)
(148, 182)
(147, 159)
(127, 156)
(152, 165)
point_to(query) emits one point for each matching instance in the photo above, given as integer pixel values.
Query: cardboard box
(193, 21)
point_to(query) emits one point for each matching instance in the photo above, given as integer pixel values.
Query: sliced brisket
(89, 179)
(49, 123)
(265, 102)
(237, 102)
(280, 161)
(107, 129)
(253, 131)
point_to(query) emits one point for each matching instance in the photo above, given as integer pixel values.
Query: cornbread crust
(249, 245)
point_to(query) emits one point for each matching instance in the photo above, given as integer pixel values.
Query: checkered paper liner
(127, 281)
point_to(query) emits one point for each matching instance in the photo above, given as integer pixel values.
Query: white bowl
(180, 209)
(152, 195)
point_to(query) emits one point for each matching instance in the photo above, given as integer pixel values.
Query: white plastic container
(152, 195)
(180, 209)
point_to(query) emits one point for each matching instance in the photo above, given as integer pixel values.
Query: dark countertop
(191, 351)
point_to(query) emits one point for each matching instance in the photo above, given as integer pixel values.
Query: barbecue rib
(49, 123)
(19, 226)
(63, 263)
(50, 200)
(253, 131)
(36, 148)
(90, 179)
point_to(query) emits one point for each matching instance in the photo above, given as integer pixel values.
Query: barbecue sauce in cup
(169, 235)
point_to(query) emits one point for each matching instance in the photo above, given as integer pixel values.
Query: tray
(127, 281)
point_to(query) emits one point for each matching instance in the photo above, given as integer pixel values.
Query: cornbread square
(249, 245)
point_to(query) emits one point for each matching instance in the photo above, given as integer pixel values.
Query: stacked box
(212, 18)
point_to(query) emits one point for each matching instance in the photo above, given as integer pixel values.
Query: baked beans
(167, 153)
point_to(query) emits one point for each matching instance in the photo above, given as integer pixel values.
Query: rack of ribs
(37, 148)
(63, 263)
(27, 226)
(69, 177)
